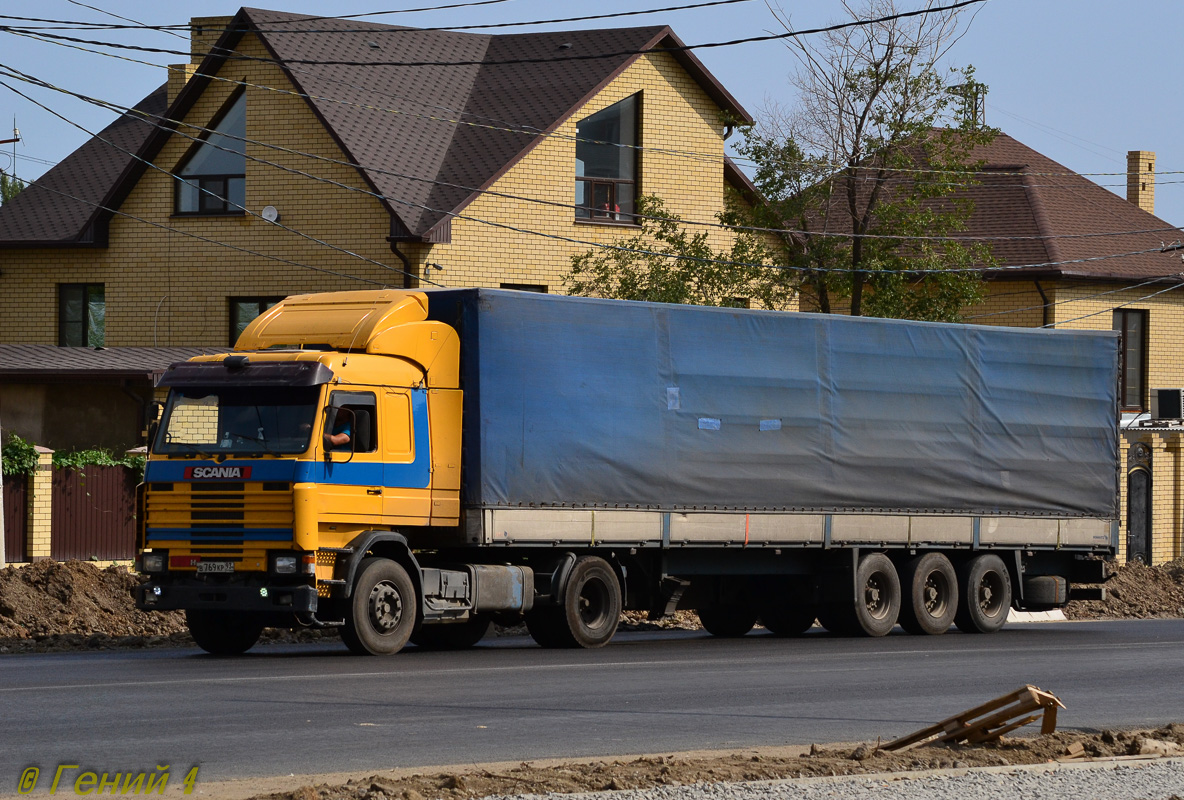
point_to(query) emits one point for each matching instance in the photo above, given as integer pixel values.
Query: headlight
(152, 562)
(285, 565)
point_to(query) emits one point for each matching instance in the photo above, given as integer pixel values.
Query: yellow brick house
(299, 154)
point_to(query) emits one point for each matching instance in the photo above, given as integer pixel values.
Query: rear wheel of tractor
(223, 633)
(382, 609)
(590, 611)
(930, 588)
(453, 636)
(985, 587)
(727, 620)
(791, 619)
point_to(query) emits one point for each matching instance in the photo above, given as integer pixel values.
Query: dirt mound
(1136, 591)
(50, 600)
(652, 771)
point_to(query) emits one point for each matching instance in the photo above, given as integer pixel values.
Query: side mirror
(155, 409)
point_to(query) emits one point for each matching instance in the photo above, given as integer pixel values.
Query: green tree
(665, 262)
(10, 187)
(877, 147)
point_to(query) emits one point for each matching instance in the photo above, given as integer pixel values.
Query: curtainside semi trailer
(413, 465)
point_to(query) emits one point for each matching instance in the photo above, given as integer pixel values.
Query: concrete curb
(1056, 615)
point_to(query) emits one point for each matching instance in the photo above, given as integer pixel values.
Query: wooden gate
(15, 518)
(94, 514)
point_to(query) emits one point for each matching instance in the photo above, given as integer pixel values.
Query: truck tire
(875, 606)
(985, 587)
(1045, 592)
(930, 595)
(452, 636)
(382, 609)
(589, 612)
(727, 620)
(791, 619)
(223, 633)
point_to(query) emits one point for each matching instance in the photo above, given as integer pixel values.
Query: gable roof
(59, 208)
(427, 139)
(1023, 193)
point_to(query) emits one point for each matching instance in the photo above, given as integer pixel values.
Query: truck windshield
(231, 420)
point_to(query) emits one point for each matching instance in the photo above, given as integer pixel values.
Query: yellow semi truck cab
(249, 508)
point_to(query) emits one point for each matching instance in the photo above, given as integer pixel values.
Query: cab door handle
(374, 491)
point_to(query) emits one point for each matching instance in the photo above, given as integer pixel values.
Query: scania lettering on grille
(217, 473)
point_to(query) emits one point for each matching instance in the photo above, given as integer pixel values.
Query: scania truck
(414, 465)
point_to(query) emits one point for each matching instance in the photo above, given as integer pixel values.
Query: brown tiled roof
(38, 362)
(1023, 193)
(61, 206)
(398, 122)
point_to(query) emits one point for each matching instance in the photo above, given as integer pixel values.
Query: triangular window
(212, 178)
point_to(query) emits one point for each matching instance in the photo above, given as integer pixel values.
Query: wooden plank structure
(989, 721)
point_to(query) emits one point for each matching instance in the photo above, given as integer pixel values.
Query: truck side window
(362, 421)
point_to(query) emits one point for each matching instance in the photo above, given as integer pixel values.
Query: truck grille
(219, 513)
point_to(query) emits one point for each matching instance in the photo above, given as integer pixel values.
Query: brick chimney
(1140, 179)
(204, 32)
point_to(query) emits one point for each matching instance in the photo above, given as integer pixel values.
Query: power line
(201, 238)
(242, 208)
(1112, 309)
(549, 60)
(523, 129)
(982, 270)
(65, 25)
(161, 123)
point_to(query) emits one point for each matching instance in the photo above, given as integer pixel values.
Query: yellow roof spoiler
(384, 322)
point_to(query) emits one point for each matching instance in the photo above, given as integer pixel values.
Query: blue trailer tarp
(611, 404)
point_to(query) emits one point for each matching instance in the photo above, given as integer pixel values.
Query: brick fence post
(40, 507)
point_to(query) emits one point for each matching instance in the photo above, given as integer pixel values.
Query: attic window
(606, 162)
(212, 178)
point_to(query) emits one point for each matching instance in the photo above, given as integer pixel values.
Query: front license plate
(215, 566)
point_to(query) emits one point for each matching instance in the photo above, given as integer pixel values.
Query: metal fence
(93, 514)
(15, 518)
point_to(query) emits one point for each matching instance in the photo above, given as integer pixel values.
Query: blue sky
(1082, 81)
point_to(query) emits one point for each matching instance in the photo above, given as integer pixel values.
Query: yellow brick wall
(677, 117)
(1011, 303)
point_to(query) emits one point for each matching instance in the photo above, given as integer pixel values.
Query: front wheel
(382, 609)
(223, 633)
(986, 595)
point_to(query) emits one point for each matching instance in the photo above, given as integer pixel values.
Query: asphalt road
(287, 709)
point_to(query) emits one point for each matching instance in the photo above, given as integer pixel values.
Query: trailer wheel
(382, 609)
(930, 588)
(590, 611)
(727, 620)
(791, 619)
(223, 633)
(986, 595)
(876, 603)
(452, 636)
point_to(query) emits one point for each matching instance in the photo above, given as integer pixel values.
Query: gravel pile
(1154, 780)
